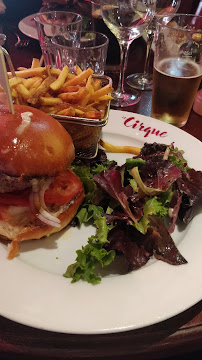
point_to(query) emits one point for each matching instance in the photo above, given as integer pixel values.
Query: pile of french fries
(60, 92)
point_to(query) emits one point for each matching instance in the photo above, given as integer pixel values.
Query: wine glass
(127, 19)
(143, 81)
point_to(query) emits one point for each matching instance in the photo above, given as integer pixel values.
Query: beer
(175, 83)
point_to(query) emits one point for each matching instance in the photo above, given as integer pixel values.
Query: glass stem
(124, 46)
(150, 38)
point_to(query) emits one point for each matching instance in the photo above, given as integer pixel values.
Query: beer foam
(179, 67)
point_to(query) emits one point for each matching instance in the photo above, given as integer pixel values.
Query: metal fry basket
(85, 132)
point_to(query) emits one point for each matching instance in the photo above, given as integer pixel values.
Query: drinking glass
(143, 81)
(127, 19)
(52, 23)
(85, 49)
(177, 67)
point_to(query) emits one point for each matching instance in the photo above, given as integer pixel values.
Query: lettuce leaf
(177, 158)
(137, 162)
(88, 213)
(145, 189)
(152, 207)
(92, 255)
(98, 168)
(111, 182)
(84, 173)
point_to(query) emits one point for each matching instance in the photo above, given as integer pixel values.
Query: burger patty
(14, 183)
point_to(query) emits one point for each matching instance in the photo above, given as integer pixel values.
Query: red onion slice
(40, 213)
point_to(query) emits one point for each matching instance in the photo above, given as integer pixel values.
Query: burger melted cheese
(39, 194)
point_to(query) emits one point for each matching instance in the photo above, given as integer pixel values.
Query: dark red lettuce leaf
(110, 181)
(191, 186)
(174, 207)
(138, 248)
(127, 240)
(128, 190)
(159, 243)
(159, 174)
(119, 214)
(137, 207)
(116, 215)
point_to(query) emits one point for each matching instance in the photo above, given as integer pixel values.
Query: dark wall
(17, 9)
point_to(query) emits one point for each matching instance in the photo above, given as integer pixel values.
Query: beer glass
(177, 67)
(143, 81)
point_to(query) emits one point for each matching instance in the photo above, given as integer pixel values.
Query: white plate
(28, 27)
(34, 292)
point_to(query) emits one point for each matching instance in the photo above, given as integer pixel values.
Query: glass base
(140, 81)
(125, 99)
(169, 119)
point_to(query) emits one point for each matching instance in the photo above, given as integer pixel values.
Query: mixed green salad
(134, 208)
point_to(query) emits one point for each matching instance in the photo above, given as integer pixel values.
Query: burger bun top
(32, 143)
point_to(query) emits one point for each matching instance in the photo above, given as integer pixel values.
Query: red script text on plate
(136, 124)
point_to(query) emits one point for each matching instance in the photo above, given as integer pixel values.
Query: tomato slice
(4, 213)
(64, 188)
(14, 199)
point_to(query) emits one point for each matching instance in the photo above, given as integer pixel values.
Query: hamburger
(39, 194)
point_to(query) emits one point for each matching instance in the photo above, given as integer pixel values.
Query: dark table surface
(177, 338)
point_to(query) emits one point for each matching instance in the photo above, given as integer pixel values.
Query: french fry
(35, 86)
(60, 80)
(40, 90)
(84, 101)
(41, 61)
(49, 101)
(69, 111)
(70, 88)
(101, 92)
(70, 76)
(22, 90)
(56, 91)
(120, 149)
(48, 109)
(17, 102)
(15, 81)
(82, 76)
(78, 70)
(93, 114)
(14, 93)
(35, 63)
(74, 97)
(55, 71)
(89, 85)
(21, 68)
(79, 112)
(62, 112)
(29, 82)
(97, 84)
(59, 107)
(29, 72)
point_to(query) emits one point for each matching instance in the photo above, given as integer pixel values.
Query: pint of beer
(177, 68)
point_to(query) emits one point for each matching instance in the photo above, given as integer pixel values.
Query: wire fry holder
(85, 132)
